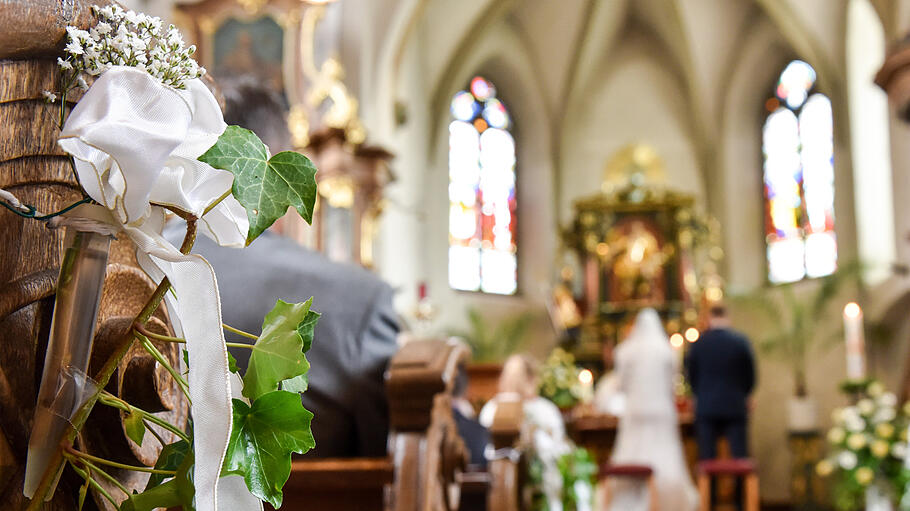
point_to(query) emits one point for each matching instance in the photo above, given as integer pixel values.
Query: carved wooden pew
(506, 464)
(425, 451)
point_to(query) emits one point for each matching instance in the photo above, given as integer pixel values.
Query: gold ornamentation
(252, 6)
(327, 83)
(635, 162)
(338, 190)
(299, 126)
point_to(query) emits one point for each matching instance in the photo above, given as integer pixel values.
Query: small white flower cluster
(127, 38)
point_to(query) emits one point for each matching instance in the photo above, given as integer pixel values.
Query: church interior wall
(517, 88)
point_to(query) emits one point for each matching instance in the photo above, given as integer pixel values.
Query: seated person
(475, 436)
(542, 425)
(356, 335)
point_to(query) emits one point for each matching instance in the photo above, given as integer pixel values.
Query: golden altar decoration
(282, 43)
(639, 244)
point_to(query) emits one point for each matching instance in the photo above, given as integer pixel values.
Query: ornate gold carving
(338, 190)
(252, 6)
(206, 26)
(299, 126)
(633, 162)
(327, 83)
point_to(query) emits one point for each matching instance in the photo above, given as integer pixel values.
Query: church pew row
(426, 454)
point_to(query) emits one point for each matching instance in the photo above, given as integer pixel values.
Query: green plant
(491, 343)
(579, 473)
(794, 321)
(559, 379)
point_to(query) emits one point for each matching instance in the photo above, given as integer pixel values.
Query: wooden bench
(426, 455)
(742, 468)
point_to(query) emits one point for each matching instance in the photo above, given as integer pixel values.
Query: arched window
(482, 202)
(798, 148)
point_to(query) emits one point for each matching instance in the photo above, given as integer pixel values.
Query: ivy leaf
(307, 328)
(278, 354)
(135, 427)
(262, 440)
(83, 490)
(172, 455)
(232, 363)
(264, 186)
(179, 491)
(297, 384)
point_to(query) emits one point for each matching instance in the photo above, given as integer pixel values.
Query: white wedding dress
(648, 427)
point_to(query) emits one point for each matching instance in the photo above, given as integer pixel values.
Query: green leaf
(307, 328)
(179, 491)
(83, 490)
(265, 186)
(135, 427)
(297, 384)
(278, 354)
(232, 363)
(171, 457)
(262, 440)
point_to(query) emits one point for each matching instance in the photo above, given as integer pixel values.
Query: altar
(635, 244)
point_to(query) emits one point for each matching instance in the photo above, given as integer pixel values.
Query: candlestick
(855, 339)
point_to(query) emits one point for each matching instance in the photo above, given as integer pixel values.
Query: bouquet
(868, 447)
(559, 379)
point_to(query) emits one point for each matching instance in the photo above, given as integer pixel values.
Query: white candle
(586, 379)
(856, 344)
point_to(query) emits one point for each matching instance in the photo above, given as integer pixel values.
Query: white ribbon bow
(135, 143)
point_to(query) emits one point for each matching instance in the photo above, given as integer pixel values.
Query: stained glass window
(798, 147)
(482, 202)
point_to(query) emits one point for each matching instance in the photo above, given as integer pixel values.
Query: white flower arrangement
(868, 443)
(127, 38)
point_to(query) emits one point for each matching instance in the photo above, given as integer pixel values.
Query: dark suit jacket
(476, 437)
(721, 370)
(353, 342)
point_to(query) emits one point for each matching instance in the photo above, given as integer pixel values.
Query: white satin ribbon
(135, 143)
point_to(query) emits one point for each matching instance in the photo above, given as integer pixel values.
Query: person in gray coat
(357, 332)
(353, 342)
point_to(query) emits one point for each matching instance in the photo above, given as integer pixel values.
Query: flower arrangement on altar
(146, 138)
(868, 444)
(559, 380)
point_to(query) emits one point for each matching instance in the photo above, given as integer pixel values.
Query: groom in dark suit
(721, 370)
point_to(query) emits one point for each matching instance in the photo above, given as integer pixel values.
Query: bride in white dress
(648, 427)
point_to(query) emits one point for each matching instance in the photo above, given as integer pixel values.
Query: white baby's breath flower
(103, 28)
(866, 406)
(888, 399)
(899, 450)
(49, 96)
(74, 48)
(127, 38)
